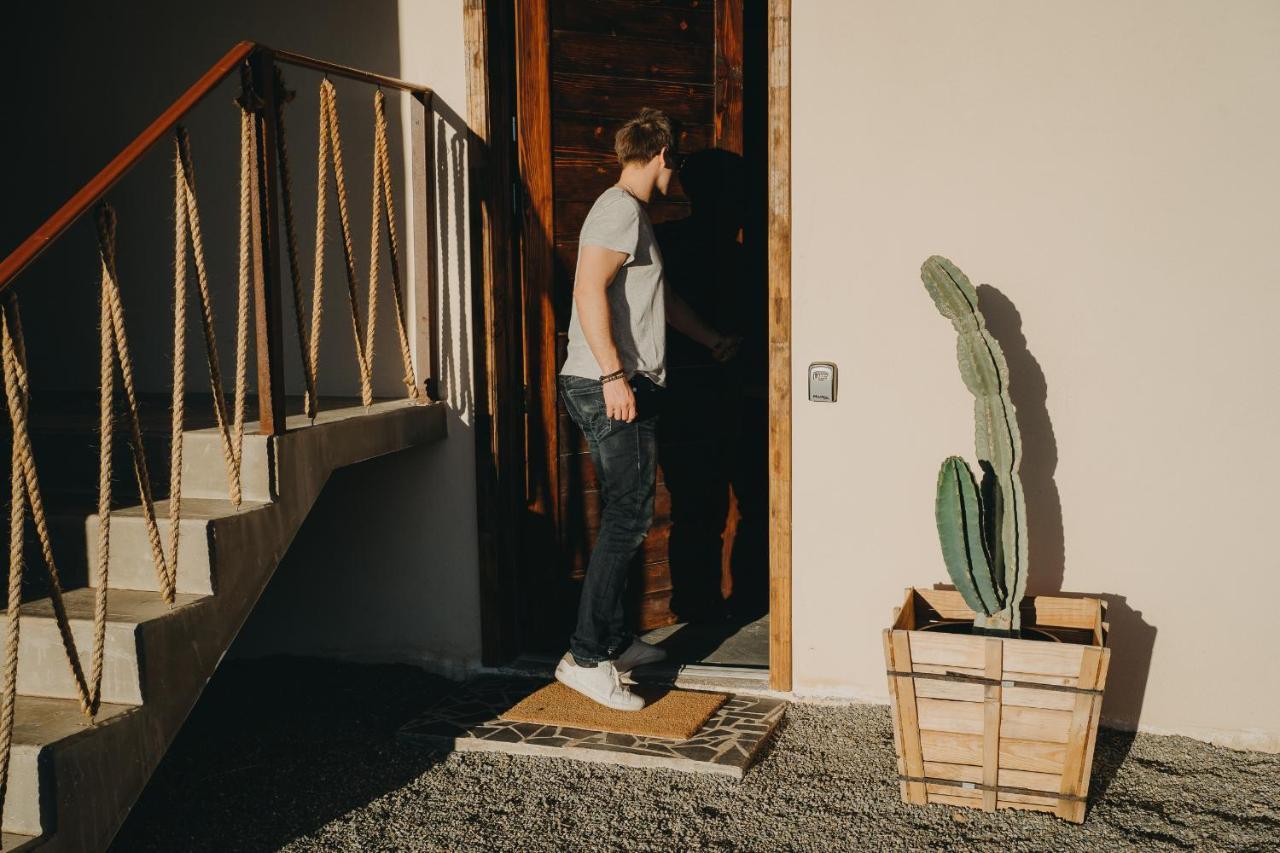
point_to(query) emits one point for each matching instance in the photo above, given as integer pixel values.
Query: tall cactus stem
(998, 442)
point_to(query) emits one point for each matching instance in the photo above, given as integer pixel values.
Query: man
(612, 382)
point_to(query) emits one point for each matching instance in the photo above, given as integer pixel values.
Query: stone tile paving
(469, 719)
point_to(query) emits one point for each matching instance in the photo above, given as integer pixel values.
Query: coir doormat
(673, 714)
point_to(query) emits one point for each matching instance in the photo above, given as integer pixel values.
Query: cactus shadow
(1131, 638)
(1029, 391)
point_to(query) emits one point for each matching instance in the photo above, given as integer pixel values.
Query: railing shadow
(285, 745)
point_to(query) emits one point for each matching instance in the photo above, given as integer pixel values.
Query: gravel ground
(300, 755)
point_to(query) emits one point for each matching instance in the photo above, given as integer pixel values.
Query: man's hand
(620, 400)
(725, 347)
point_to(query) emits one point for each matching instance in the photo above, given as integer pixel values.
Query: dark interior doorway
(583, 67)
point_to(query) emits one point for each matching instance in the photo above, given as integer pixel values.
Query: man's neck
(638, 182)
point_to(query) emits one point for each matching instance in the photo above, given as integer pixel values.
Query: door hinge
(513, 128)
(525, 400)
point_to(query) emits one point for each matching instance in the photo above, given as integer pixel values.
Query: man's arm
(687, 322)
(597, 267)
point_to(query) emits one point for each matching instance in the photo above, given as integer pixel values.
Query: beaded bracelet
(609, 377)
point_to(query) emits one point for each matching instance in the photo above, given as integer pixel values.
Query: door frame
(513, 497)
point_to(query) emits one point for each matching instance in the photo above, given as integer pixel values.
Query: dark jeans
(626, 462)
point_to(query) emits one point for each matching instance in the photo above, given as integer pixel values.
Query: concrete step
(47, 736)
(132, 565)
(204, 468)
(132, 617)
(14, 842)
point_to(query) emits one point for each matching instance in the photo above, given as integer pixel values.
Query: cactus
(983, 529)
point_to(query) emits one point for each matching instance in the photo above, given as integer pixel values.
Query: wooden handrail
(32, 247)
(347, 71)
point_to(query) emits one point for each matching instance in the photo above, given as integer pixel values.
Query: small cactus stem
(958, 509)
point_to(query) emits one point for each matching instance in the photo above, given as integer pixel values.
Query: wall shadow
(1131, 638)
(1030, 391)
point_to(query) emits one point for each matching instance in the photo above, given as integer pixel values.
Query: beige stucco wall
(1111, 169)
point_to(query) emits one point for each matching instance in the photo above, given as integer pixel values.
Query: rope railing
(116, 362)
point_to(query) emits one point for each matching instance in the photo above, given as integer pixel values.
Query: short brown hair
(644, 137)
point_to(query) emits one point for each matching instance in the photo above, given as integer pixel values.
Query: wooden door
(583, 68)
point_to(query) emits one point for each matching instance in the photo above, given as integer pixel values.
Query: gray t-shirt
(637, 310)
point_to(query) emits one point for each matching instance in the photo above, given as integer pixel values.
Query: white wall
(386, 566)
(1111, 169)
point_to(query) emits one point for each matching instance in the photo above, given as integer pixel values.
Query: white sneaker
(637, 654)
(600, 683)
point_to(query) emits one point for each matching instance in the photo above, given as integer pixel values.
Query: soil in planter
(967, 628)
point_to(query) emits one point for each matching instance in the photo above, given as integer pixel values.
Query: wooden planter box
(995, 723)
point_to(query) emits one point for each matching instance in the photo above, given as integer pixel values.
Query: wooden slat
(960, 691)
(488, 37)
(911, 728)
(1059, 611)
(991, 724)
(618, 98)
(1035, 724)
(943, 715)
(779, 231)
(947, 602)
(1091, 739)
(1042, 658)
(1048, 782)
(267, 311)
(591, 53)
(894, 712)
(1033, 755)
(576, 132)
(1074, 772)
(1029, 697)
(682, 22)
(728, 77)
(948, 650)
(953, 748)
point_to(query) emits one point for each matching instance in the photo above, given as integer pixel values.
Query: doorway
(701, 585)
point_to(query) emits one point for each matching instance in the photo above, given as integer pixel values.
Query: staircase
(71, 782)
(72, 777)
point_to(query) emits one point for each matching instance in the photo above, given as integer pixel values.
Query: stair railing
(266, 211)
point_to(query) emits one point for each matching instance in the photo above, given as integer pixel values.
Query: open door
(582, 69)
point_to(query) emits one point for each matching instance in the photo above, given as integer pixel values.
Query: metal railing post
(422, 239)
(266, 260)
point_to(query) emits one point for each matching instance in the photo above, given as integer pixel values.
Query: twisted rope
(189, 233)
(310, 353)
(382, 182)
(329, 126)
(27, 493)
(114, 349)
(17, 519)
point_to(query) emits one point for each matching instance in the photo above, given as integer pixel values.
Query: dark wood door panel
(577, 133)
(589, 53)
(597, 63)
(682, 22)
(621, 98)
